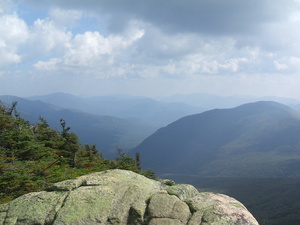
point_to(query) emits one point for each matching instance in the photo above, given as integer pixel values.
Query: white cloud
(190, 41)
(14, 32)
(280, 66)
(287, 65)
(64, 17)
(92, 53)
(46, 38)
(5, 6)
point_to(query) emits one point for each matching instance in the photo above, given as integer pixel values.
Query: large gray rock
(122, 197)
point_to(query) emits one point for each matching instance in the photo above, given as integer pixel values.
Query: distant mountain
(63, 100)
(210, 101)
(125, 107)
(260, 139)
(105, 131)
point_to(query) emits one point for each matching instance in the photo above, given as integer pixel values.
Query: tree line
(34, 156)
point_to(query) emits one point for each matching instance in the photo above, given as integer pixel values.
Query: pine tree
(33, 157)
(71, 144)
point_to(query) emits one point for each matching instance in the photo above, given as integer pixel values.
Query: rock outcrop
(122, 197)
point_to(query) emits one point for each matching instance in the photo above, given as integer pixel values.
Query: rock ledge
(125, 198)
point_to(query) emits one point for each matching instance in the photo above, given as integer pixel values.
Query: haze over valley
(123, 121)
(181, 128)
(183, 137)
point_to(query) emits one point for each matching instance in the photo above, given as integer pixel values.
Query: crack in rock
(61, 206)
(6, 209)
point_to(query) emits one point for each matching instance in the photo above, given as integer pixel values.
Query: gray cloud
(211, 17)
(200, 44)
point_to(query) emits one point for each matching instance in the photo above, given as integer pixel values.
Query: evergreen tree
(33, 157)
(71, 144)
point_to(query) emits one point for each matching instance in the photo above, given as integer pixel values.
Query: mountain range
(198, 142)
(135, 108)
(259, 139)
(250, 151)
(210, 101)
(107, 121)
(107, 132)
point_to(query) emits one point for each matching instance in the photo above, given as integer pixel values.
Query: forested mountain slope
(258, 139)
(33, 156)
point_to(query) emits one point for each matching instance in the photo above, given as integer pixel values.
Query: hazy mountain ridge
(258, 139)
(126, 107)
(142, 116)
(107, 121)
(210, 101)
(105, 131)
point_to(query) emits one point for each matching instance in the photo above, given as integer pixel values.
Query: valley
(247, 149)
(272, 201)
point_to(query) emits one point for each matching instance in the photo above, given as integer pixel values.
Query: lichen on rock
(125, 198)
(211, 208)
(182, 191)
(168, 206)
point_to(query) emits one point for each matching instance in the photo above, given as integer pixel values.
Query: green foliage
(33, 157)
(169, 182)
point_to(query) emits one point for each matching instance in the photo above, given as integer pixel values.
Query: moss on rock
(125, 198)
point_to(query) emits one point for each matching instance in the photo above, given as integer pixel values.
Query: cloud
(92, 53)
(47, 38)
(7, 6)
(211, 17)
(147, 41)
(14, 32)
(259, 23)
(65, 18)
(20, 43)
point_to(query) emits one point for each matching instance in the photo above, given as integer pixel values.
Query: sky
(150, 47)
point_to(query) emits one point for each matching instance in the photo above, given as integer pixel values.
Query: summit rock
(123, 197)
